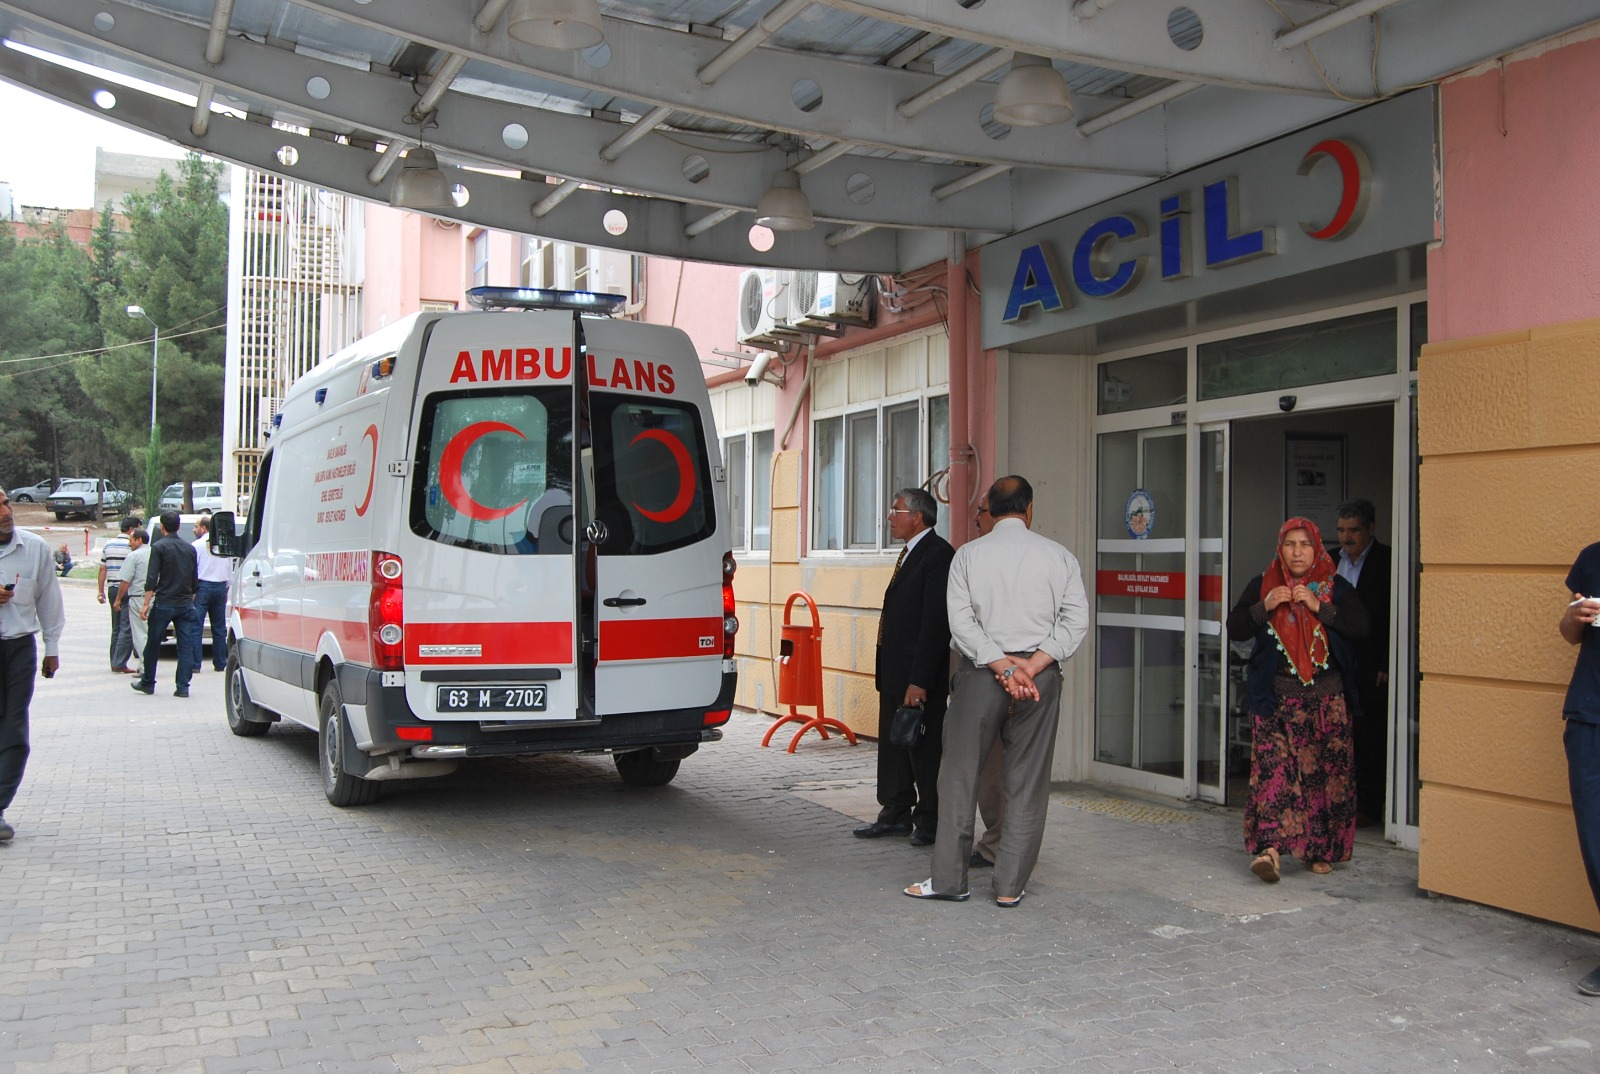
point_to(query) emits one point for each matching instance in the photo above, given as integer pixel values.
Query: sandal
(924, 890)
(1265, 865)
(1321, 868)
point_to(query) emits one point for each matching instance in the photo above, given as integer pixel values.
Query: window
(856, 471)
(651, 480)
(507, 490)
(881, 423)
(748, 460)
(480, 259)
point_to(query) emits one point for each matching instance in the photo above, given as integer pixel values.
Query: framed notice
(1313, 480)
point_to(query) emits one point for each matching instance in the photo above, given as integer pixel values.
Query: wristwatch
(1006, 674)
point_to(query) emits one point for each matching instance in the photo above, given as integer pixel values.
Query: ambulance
(488, 533)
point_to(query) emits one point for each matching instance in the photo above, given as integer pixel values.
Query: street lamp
(155, 344)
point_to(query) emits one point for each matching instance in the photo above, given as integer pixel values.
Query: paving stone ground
(180, 900)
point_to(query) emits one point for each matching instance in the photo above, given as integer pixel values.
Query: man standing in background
(169, 598)
(1581, 711)
(211, 599)
(1364, 563)
(913, 669)
(111, 557)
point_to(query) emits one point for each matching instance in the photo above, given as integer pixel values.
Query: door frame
(1395, 389)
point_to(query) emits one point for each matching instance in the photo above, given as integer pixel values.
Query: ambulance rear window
(494, 471)
(652, 475)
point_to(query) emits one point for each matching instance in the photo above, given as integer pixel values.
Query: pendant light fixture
(420, 184)
(567, 24)
(1032, 94)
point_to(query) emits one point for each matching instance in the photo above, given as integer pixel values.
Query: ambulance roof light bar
(545, 298)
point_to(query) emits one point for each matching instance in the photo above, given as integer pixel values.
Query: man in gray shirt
(1017, 610)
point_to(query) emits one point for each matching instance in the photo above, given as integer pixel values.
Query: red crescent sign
(1354, 170)
(372, 473)
(453, 483)
(680, 455)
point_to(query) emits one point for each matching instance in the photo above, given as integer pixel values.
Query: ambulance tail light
(717, 717)
(386, 613)
(730, 622)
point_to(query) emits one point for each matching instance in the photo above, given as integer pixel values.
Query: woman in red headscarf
(1300, 693)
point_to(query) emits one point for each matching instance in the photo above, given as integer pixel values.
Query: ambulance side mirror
(224, 542)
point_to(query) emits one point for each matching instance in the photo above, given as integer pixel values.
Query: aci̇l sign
(1107, 259)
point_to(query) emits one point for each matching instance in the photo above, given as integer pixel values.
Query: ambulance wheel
(333, 738)
(244, 718)
(640, 769)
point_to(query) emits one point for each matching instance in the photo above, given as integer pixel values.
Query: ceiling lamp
(420, 184)
(1032, 94)
(569, 24)
(785, 207)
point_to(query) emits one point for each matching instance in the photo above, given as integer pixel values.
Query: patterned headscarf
(1300, 635)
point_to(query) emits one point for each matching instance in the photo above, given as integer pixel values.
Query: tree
(173, 264)
(50, 427)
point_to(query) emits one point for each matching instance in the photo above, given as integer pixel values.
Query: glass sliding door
(1213, 734)
(1140, 691)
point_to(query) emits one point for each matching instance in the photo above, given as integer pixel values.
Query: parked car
(207, 496)
(35, 493)
(80, 495)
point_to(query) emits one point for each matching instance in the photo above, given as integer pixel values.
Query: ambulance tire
(333, 738)
(244, 718)
(639, 768)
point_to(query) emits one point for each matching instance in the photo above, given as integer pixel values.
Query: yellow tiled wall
(1509, 432)
(848, 595)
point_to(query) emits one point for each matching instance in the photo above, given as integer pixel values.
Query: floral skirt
(1302, 787)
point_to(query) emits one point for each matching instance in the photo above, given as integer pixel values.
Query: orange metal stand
(800, 676)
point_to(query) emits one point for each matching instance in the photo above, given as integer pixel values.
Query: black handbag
(905, 729)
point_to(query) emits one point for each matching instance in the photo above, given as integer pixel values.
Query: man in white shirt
(130, 585)
(1017, 610)
(30, 604)
(211, 599)
(111, 557)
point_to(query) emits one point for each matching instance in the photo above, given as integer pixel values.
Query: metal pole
(155, 352)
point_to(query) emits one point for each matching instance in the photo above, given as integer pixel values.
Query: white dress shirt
(1350, 569)
(1014, 591)
(209, 568)
(35, 607)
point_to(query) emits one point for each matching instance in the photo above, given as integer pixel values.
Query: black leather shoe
(182, 691)
(1590, 985)
(877, 830)
(142, 688)
(978, 861)
(922, 838)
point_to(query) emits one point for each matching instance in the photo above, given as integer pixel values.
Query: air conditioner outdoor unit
(827, 300)
(763, 307)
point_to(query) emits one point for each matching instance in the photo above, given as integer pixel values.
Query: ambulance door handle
(623, 602)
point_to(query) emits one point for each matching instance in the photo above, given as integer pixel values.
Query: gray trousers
(980, 713)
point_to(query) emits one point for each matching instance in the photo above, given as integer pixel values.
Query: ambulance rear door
(650, 510)
(489, 548)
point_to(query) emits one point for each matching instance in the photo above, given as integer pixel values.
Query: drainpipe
(960, 482)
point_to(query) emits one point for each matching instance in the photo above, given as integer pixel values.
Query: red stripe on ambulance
(501, 644)
(657, 639)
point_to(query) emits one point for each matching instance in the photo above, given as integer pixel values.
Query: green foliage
(153, 481)
(76, 368)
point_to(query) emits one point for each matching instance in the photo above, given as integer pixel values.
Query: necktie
(897, 564)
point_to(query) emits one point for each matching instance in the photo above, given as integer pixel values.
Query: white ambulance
(484, 534)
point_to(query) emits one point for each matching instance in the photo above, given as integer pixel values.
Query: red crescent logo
(451, 480)
(1354, 170)
(372, 473)
(680, 455)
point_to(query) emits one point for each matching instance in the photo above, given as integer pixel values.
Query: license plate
(492, 698)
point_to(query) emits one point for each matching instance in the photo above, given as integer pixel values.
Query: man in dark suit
(1365, 563)
(913, 668)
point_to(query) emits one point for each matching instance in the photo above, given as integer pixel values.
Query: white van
(484, 534)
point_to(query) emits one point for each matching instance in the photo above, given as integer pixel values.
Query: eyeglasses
(901, 511)
(982, 511)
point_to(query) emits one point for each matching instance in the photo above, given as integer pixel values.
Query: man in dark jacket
(169, 598)
(913, 668)
(1364, 563)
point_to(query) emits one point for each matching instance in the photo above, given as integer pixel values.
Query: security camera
(758, 369)
(1286, 403)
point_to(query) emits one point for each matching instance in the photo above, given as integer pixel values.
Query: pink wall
(701, 299)
(1521, 227)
